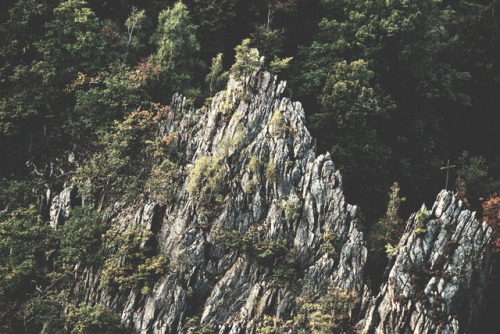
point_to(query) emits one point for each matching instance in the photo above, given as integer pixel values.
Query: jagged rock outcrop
(254, 142)
(437, 279)
(300, 202)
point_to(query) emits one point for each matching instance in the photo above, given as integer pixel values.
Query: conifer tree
(177, 48)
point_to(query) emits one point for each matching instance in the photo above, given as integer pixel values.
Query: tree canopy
(393, 89)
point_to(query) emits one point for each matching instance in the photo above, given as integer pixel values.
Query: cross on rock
(447, 167)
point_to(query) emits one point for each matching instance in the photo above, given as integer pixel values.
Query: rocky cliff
(258, 225)
(436, 280)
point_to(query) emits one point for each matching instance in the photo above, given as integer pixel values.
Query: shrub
(160, 185)
(272, 325)
(275, 254)
(291, 208)
(247, 59)
(206, 181)
(251, 186)
(271, 173)
(491, 215)
(47, 313)
(15, 194)
(388, 229)
(328, 240)
(80, 237)
(277, 65)
(390, 250)
(254, 164)
(86, 319)
(192, 325)
(124, 155)
(228, 146)
(129, 265)
(276, 124)
(23, 244)
(421, 219)
(328, 314)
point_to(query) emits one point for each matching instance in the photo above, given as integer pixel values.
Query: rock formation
(272, 189)
(437, 279)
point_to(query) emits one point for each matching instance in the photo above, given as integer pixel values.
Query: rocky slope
(272, 189)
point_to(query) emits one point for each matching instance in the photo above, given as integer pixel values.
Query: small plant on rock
(271, 172)
(291, 208)
(206, 181)
(421, 219)
(276, 124)
(254, 164)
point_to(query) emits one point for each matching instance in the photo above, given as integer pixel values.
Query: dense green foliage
(392, 88)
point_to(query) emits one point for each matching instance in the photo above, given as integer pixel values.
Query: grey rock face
(229, 290)
(437, 279)
(275, 187)
(61, 205)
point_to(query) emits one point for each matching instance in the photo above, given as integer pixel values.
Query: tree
(68, 42)
(79, 238)
(134, 22)
(404, 44)
(385, 234)
(216, 78)
(472, 178)
(72, 44)
(246, 60)
(269, 42)
(108, 97)
(177, 48)
(353, 112)
(276, 6)
(125, 156)
(24, 241)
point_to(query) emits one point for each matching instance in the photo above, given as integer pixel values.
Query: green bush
(251, 186)
(326, 314)
(23, 244)
(271, 172)
(277, 123)
(130, 264)
(275, 254)
(15, 194)
(125, 156)
(160, 185)
(328, 240)
(206, 181)
(272, 325)
(291, 208)
(421, 219)
(86, 319)
(47, 313)
(254, 164)
(228, 146)
(80, 237)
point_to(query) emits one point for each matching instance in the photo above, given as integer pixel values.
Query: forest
(396, 90)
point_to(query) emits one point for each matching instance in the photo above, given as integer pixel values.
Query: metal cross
(447, 167)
